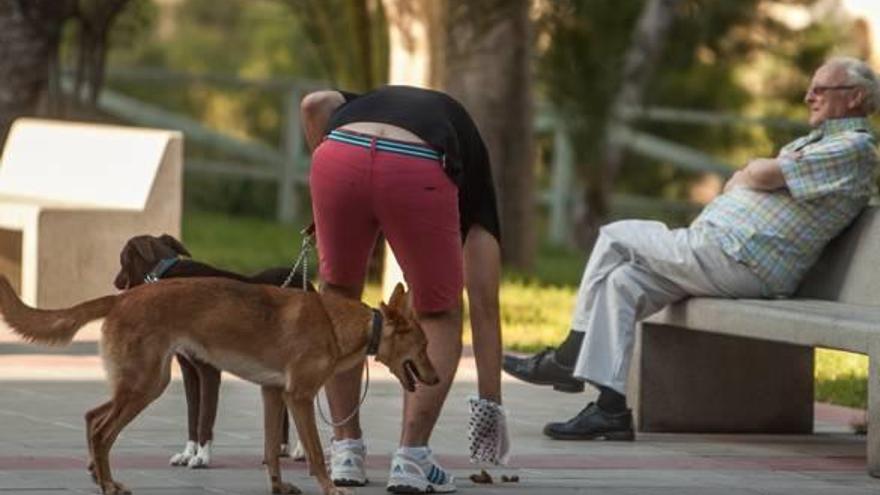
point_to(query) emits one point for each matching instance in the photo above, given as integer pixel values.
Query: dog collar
(160, 269)
(375, 333)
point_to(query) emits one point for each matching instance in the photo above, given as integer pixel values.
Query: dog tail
(53, 326)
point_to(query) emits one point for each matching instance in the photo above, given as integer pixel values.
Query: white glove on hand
(487, 432)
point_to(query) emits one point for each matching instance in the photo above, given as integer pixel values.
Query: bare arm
(761, 174)
(482, 274)
(316, 109)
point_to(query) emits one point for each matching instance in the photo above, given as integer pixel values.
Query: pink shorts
(363, 185)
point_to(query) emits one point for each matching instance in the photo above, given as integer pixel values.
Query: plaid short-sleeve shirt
(829, 177)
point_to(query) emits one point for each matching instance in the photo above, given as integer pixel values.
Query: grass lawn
(535, 310)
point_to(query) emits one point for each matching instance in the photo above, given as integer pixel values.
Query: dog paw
(299, 452)
(180, 459)
(91, 469)
(285, 488)
(183, 458)
(202, 458)
(198, 462)
(114, 488)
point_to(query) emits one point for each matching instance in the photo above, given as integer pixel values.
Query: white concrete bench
(70, 196)
(721, 365)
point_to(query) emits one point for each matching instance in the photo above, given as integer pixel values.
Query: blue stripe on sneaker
(437, 476)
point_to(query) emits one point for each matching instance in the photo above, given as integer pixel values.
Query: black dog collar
(160, 269)
(375, 334)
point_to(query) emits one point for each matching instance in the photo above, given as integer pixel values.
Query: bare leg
(343, 389)
(482, 271)
(422, 407)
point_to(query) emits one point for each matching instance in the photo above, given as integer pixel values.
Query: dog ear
(398, 297)
(174, 244)
(144, 247)
(121, 280)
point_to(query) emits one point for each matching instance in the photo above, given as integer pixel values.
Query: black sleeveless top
(445, 125)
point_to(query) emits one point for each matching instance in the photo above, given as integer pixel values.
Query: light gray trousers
(638, 267)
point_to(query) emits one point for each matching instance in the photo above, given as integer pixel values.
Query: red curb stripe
(544, 462)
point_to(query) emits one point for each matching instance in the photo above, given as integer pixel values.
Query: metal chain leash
(337, 424)
(303, 258)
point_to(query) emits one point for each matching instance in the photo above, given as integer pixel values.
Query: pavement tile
(42, 444)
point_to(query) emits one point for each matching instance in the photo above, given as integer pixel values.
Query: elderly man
(757, 239)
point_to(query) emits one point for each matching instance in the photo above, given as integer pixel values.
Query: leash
(372, 349)
(303, 258)
(357, 408)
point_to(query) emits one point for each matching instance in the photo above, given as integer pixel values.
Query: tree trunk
(414, 39)
(24, 62)
(488, 68)
(640, 62)
(480, 53)
(416, 42)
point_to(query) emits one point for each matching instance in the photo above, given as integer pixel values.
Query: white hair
(859, 73)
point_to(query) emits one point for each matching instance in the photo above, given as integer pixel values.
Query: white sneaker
(347, 462)
(411, 475)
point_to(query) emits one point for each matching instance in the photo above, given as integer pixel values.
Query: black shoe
(593, 424)
(543, 369)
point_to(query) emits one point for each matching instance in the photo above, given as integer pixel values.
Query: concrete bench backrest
(87, 165)
(849, 269)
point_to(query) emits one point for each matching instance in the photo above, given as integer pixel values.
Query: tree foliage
(711, 49)
(31, 34)
(349, 38)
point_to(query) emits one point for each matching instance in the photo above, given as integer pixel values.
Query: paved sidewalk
(42, 445)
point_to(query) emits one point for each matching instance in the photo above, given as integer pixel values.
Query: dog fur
(290, 342)
(201, 381)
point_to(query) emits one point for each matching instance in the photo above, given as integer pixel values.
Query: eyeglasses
(821, 90)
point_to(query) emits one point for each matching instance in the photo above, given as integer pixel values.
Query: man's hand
(734, 182)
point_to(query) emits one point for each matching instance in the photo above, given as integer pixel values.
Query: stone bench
(746, 365)
(70, 196)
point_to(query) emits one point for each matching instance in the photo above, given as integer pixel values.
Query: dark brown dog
(139, 258)
(288, 341)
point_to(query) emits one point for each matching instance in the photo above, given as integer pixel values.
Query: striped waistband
(384, 144)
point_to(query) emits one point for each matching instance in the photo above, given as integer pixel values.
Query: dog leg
(131, 395)
(124, 408)
(300, 404)
(273, 409)
(91, 418)
(209, 388)
(192, 388)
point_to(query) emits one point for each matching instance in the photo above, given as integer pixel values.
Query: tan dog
(290, 342)
(142, 258)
